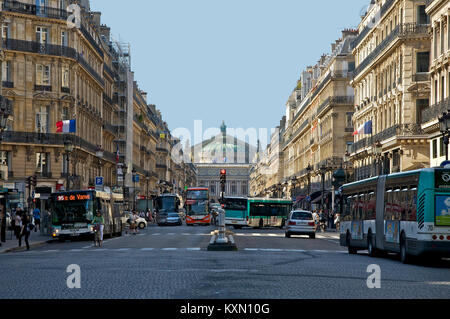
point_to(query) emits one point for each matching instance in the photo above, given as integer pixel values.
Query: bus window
(361, 206)
(371, 201)
(388, 205)
(412, 204)
(346, 214)
(396, 204)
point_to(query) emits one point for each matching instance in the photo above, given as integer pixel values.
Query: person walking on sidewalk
(25, 231)
(18, 222)
(37, 219)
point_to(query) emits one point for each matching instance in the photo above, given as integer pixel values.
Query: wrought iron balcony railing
(400, 31)
(435, 111)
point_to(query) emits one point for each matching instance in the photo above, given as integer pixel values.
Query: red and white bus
(197, 206)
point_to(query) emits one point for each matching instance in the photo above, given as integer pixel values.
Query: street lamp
(444, 126)
(68, 147)
(147, 178)
(377, 150)
(5, 112)
(323, 171)
(294, 182)
(99, 154)
(309, 170)
(134, 188)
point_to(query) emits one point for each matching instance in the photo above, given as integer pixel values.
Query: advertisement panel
(392, 231)
(442, 210)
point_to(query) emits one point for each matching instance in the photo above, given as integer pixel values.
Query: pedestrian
(25, 231)
(99, 224)
(37, 219)
(330, 219)
(18, 222)
(149, 216)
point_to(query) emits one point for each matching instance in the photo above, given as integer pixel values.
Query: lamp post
(444, 126)
(134, 188)
(147, 178)
(377, 150)
(99, 154)
(323, 171)
(5, 112)
(68, 147)
(309, 170)
(293, 181)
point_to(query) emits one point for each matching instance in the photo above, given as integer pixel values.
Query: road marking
(76, 250)
(171, 234)
(142, 234)
(157, 234)
(251, 249)
(123, 249)
(87, 247)
(169, 249)
(51, 251)
(272, 250)
(147, 249)
(194, 249)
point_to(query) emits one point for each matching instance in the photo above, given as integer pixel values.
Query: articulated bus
(406, 213)
(267, 212)
(197, 206)
(236, 211)
(72, 213)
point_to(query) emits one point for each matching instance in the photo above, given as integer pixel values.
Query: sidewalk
(35, 240)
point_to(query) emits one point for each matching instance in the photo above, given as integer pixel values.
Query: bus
(165, 204)
(267, 212)
(72, 213)
(236, 211)
(406, 213)
(197, 206)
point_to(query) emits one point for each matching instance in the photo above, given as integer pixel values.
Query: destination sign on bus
(71, 198)
(442, 179)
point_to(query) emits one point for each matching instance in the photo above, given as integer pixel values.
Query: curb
(24, 248)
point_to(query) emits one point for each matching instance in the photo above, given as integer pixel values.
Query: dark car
(171, 219)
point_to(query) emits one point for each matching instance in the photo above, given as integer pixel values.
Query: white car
(300, 222)
(140, 222)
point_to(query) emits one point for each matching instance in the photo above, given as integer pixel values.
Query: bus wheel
(404, 257)
(351, 250)
(261, 223)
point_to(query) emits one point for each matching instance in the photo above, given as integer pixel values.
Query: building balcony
(433, 112)
(421, 77)
(45, 88)
(402, 31)
(65, 90)
(8, 84)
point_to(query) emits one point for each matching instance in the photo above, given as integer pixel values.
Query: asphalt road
(173, 263)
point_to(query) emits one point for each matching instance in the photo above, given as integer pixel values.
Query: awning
(319, 198)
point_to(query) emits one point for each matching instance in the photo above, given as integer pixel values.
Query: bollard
(222, 239)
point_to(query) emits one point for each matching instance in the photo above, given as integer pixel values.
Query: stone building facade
(439, 12)
(392, 87)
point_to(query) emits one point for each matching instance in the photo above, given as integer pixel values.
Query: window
(42, 163)
(41, 35)
(244, 189)
(6, 72)
(434, 150)
(5, 159)
(65, 113)
(421, 104)
(65, 77)
(65, 167)
(42, 74)
(213, 188)
(64, 41)
(423, 62)
(5, 31)
(233, 188)
(349, 120)
(42, 120)
(422, 17)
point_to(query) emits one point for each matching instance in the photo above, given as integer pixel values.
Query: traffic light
(223, 179)
(29, 181)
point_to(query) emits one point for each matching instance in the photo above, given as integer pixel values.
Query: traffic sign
(99, 181)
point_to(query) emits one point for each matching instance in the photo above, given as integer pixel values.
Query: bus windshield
(197, 207)
(165, 204)
(72, 212)
(197, 194)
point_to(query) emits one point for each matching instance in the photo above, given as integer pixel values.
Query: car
(140, 222)
(300, 222)
(170, 219)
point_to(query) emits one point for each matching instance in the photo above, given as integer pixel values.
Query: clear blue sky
(232, 60)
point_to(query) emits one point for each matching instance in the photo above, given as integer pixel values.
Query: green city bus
(267, 212)
(406, 213)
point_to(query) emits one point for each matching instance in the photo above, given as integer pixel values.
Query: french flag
(366, 128)
(66, 126)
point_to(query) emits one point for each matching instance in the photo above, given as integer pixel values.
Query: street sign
(99, 181)
(136, 178)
